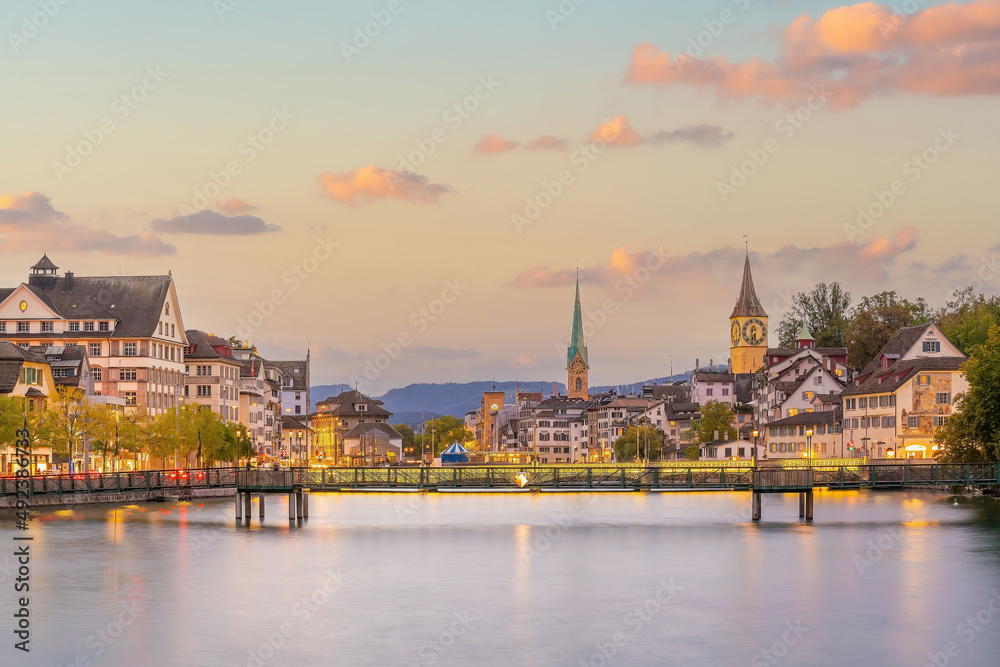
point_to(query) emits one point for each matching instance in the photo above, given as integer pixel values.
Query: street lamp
(755, 434)
(809, 444)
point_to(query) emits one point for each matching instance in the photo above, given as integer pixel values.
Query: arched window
(579, 384)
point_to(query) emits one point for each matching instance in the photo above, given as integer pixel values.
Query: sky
(408, 187)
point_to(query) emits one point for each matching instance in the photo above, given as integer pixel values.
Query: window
(129, 397)
(808, 395)
(167, 309)
(88, 326)
(940, 421)
(204, 390)
(923, 379)
(96, 372)
(103, 326)
(943, 397)
(818, 379)
(172, 331)
(31, 376)
(864, 422)
(298, 409)
(74, 326)
(127, 374)
(203, 370)
(94, 349)
(60, 372)
(932, 346)
(840, 371)
(729, 452)
(708, 392)
(913, 422)
(22, 327)
(792, 412)
(47, 327)
(186, 395)
(883, 401)
(128, 350)
(3, 327)
(863, 403)
(888, 422)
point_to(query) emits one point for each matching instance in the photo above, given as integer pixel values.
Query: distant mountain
(453, 398)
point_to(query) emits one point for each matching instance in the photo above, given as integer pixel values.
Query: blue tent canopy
(455, 453)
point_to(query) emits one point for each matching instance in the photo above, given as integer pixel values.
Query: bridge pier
(239, 506)
(802, 504)
(809, 505)
(260, 503)
(756, 506)
(247, 505)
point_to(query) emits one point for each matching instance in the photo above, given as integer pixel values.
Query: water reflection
(542, 579)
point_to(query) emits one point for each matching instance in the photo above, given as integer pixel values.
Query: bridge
(790, 477)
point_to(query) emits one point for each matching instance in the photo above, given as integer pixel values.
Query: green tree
(826, 310)
(69, 421)
(633, 443)
(973, 432)
(967, 318)
(410, 446)
(876, 320)
(443, 431)
(692, 453)
(11, 419)
(715, 418)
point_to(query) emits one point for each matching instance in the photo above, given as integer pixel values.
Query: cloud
(493, 144)
(615, 132)
(211, 222)
(855, 52)
(235, 206)
(29, 222)
(370, 184)
(701, 135)
(700, 274)
(546, 143)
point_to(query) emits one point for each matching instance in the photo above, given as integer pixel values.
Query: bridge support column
(305, 503)
(802, 504)
(755, 506)
(300, 501)
(260, 505)
(247, 506)
(239, 506)
(809, 505)
(291, 506)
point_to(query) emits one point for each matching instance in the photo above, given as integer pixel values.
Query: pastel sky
(471, 155)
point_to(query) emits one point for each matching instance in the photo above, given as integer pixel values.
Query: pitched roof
(748, 305)
(10, 373)
(898, 345)
(134, 302)
(883, 381)
(11, 352)
(294, 370)
(366, 427)
(45, 263)
(705, 376)
(202, 346)
(823, 351)
(807, 418)
(343, 404)
(804, 333)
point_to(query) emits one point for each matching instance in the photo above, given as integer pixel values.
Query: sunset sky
(479, 152)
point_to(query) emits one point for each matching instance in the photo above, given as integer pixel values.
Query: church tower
(577, 365)
(747, 327)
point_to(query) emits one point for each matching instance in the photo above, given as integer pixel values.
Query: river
(879, 578)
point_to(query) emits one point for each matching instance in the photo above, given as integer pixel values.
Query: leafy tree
(967, 318)
(409, 438)
(11, 419)
(443, 431)
(633, 443)
(68, 421)
(876, 320)
(236, 342)
(716, 417)
(826, 310)
(973, 432)
(692, 453)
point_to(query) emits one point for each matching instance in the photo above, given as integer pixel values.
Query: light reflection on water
(513, 579)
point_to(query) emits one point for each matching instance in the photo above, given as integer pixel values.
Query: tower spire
(577, 364)
(748, 305)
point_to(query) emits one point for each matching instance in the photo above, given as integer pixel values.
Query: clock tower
(747, 327)
(577, 365)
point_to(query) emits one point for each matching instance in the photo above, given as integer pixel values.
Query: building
(747, 327)
(131, 327)
(27, 376)
(295, 399)
(489, 412)
(727, 449)
(707, 386)
(373, 441)
(546, 429)
(336, 416)
(678, 392)
(296, 437)
(212, 375)
(70, 368)
(577, 363)
(897, 402)
(789, 438)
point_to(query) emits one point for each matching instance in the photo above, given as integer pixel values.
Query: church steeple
(577, 363)
(748, 305)
(748, 327)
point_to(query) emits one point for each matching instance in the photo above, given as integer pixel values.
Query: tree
(409, 438)
(876, 320)
(632, 444)
(973, 432)
(11, 419)
(716, 418)
(967, 318)
(692, 453)
(236, 342)
(443, 431)
(826, 310)
(69, 421)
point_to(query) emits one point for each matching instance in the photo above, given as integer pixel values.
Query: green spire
(576, 342)
(804, 334)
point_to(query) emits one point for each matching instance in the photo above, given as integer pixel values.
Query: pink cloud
(371, 183)
(29, 222)
(493, 144)
(855, 52)
(235, 205)
(616, 132)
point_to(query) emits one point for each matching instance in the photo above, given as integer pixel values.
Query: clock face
(23, 306)
(754, 331)
(736, 333)
(493, 407)
(576, 366)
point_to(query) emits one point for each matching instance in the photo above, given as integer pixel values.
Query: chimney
(68, 287)
(555, 389)
(715, 435)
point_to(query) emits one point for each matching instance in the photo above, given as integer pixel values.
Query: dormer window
(932, 346)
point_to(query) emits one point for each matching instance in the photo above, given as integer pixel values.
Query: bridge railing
(779, 478)
(265, 479)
